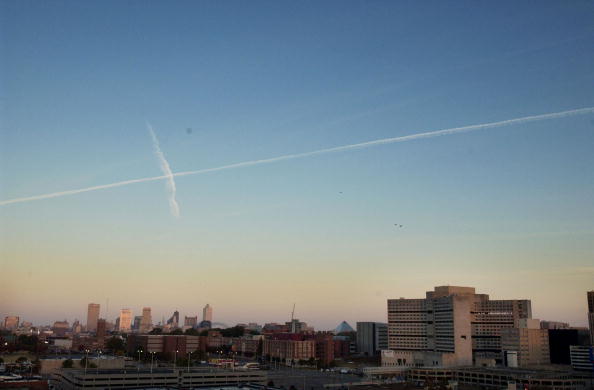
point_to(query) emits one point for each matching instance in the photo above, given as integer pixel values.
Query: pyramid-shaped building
(344, 327)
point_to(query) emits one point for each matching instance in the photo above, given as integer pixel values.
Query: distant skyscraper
(147, 322)
(191, 321)
(76, 327)
(591, 315)
(173, 322)
(11, 322)
(125, 320)
(207, 313)
(92, 317)
(136, 323)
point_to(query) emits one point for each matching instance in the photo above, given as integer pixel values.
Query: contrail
(173, 206)
(383, 141)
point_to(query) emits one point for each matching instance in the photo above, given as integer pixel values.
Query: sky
(508, 210)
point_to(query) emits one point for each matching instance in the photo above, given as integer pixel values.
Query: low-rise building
(155, 378)
(52, 365)
(325, 347)
(247, 346)
(529, 341)
(402, 358)
(582, 357)
(561, 339)
(499, 378)
(165, 343)
(289, 350)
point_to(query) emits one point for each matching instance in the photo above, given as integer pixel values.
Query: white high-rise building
(207, 313)
(125, 324)
(92, 317)
(451, 326)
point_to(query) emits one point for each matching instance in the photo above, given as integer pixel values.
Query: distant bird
(397, 225)
(189, 130)
(340, 192)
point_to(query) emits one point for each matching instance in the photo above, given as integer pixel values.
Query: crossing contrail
(343, 148)
(173, 206)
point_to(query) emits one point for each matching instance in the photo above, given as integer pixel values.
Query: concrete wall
(50, 366)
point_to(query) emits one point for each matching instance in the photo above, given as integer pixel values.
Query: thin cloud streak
(166, 169)
(344, 148)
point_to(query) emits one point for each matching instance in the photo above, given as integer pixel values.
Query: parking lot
(309, 379)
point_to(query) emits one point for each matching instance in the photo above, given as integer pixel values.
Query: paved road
(304, 379)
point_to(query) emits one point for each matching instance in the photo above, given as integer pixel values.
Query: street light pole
(98, 359)
(86, 359)
(152, 356)
(190, 376)
(175, 359)
(138, 366)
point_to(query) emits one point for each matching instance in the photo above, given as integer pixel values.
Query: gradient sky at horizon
(508, 210)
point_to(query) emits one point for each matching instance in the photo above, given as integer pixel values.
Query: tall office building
(207, 313)
(174, 320)
(92, 317)
(101, 331)
(146, 323)
(372, 337)
(11, 322)
(591, 315)
(452, 326)
(125, 323)
(136, 323)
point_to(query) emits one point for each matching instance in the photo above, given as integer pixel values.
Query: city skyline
(131, 313)
(384, 147)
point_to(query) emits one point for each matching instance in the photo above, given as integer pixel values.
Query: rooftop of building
(549, 371)
(134, 372)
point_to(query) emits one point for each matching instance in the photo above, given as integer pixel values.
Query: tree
(192, 332)
(156, 331)
(176, 331)
(68, 363)
(27, 343)
(270, 384)
(22, 360)
(236, 331)
(1, 360)
(116, 344)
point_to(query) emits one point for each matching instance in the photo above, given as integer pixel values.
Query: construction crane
(293, 313)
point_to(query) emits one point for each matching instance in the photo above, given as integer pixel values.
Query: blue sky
(507, 210)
